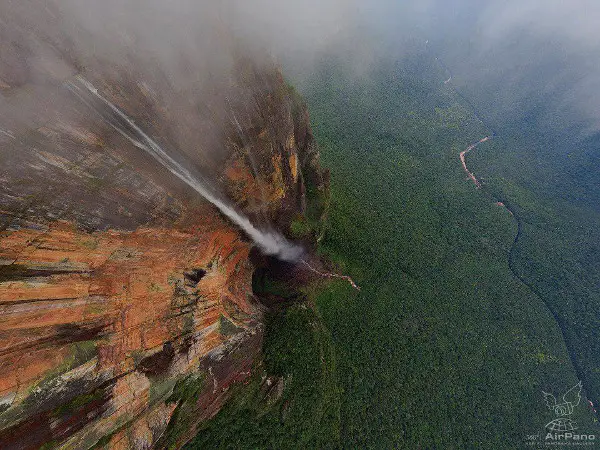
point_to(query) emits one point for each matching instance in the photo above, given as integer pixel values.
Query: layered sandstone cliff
(126, 303)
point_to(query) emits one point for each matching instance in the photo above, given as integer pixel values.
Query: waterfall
(269, 242)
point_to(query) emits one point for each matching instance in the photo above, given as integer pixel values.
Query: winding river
(519, 221)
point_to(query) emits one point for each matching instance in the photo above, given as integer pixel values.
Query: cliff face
(126, 304)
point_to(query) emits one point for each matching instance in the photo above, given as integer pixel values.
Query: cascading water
(269, 242)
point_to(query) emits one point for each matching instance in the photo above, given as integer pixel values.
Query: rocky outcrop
(126, 304)
(97, 328)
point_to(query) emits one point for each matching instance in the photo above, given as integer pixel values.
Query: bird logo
(571, 399)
